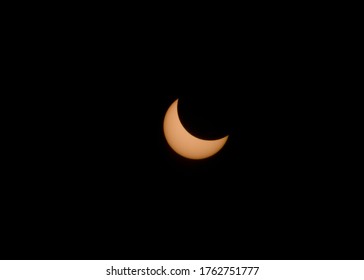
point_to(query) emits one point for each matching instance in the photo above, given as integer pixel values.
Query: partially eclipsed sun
(185, 144)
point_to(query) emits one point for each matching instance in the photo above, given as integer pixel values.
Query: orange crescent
(185, 144)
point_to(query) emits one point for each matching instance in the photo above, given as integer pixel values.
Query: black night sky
(93, 177)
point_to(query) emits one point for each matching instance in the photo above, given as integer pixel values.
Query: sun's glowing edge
(184, 143)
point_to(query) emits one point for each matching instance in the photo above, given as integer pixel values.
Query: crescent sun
(184, 143)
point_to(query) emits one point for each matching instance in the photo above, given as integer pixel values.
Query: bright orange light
(185, 144)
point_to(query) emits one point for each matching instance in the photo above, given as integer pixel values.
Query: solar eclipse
(184, 143)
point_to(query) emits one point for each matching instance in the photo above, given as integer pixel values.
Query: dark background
(92, 177)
